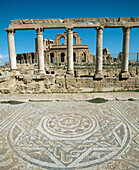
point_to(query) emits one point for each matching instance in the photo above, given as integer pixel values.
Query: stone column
(99, 54)
(137, 57)
(70, 51)
(78, 57)
(87, 58)
(125, 58)
(56, 57)
(12, 55)
(40, 50)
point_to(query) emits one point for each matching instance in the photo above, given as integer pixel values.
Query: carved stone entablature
(36, 21)
(31, 24)
(105, 20)
(101, 20)
(129, 19)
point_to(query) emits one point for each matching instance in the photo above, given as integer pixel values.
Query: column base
(14, 71)
(124, 75)
(99, 76)
(42, 72)
(70, 72)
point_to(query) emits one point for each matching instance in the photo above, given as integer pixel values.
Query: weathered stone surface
(70, 81)
(4, 90)
(49, 83)
(78, 21)
(124, 75)
(137, 83)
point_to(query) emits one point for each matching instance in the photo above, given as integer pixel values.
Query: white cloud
(3, 56)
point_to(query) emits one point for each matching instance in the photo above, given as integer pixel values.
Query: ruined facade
(56, 53)
(107, 57)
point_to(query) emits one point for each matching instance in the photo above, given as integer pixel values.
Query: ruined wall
(64, 83)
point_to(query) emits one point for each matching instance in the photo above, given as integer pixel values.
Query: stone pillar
(99, 54)
(125, 58)
(12, 55)
(40, 50)
(70, 51)
(137, 58)
(78, 57)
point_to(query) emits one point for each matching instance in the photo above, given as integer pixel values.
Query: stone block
(4, 90)
(41, 87)
(108, 89)
(87, 89)
(117, 88)
(60, 79)
(124, 75)
(31, 85)
(137, 83)
(132, 74)
(70, 81)
(11, 83)
(99, 76)
(85, 82)
(55, 86)
(27, 79)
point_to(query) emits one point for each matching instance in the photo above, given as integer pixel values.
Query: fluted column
(40, 50)
(70, 51)
(125, 58)
(99, 54)
(12, 54)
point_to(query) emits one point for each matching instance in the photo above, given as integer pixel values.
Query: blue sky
(41, 9)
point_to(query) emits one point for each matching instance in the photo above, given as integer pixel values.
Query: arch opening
(33, 58)
(84, 57)
(62, 57)
(25, 58)
(74, 57)
(52, 58)
(62, 41)
(74, 40)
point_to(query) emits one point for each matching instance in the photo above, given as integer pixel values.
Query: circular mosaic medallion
(67, 125)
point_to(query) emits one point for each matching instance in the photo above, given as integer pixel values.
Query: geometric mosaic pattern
(69, 135)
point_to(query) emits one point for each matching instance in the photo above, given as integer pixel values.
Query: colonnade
(70, 63)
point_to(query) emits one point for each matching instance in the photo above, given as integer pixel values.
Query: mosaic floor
(69, 135)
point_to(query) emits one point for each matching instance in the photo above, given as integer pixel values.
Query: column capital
(99, 28)
(69, 29)
(10, 30)
(126, 29)
(39, 30)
